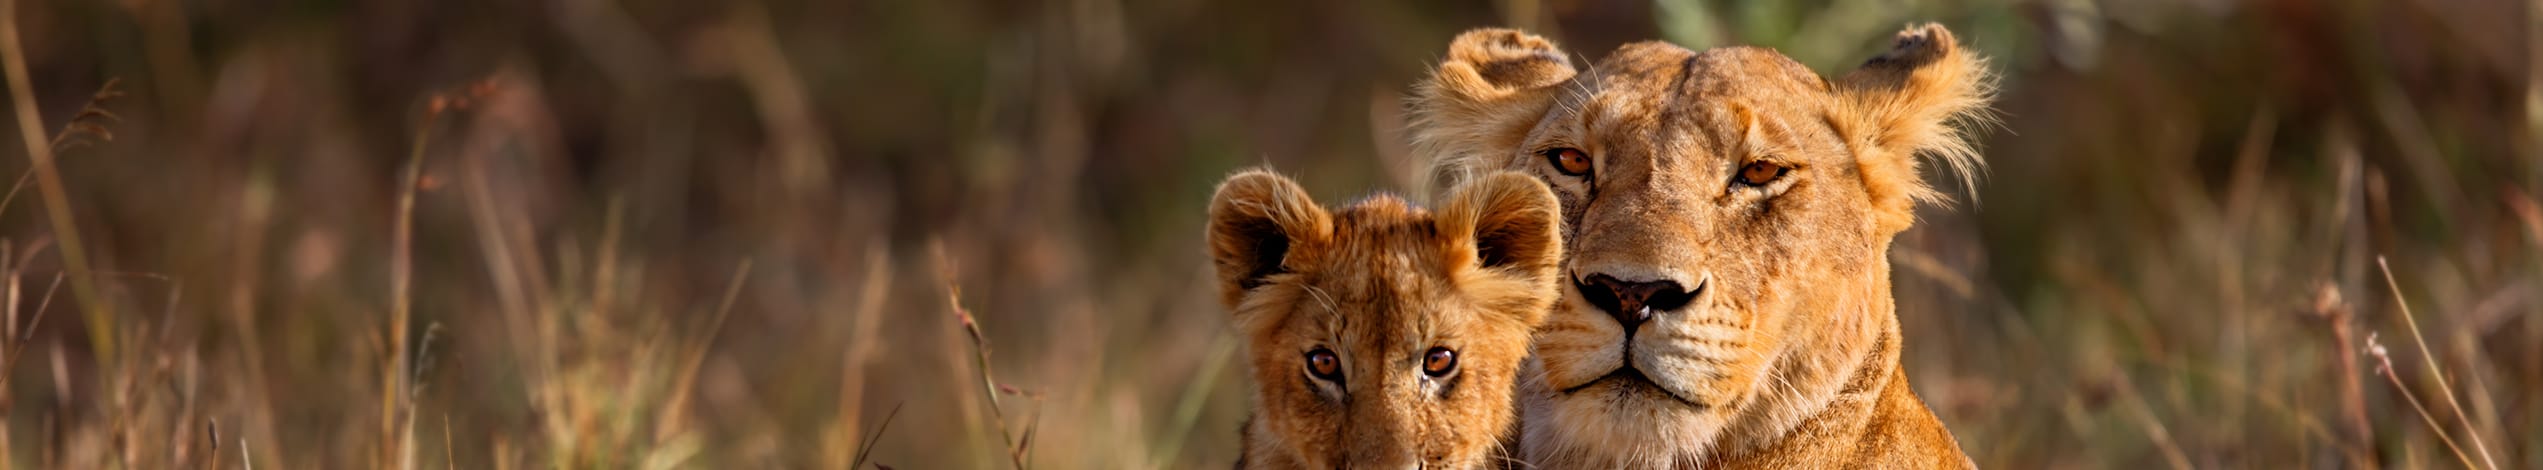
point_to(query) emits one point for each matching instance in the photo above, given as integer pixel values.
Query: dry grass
(845, 449)
(2357, 432)
(2434, 373)
(57, 204)
(1017, 439)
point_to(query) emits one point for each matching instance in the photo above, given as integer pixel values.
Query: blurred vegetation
(737, 234)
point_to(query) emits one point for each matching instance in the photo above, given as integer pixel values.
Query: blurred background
(965, 234)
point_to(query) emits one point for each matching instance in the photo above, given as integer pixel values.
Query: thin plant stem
(867, 450)
(57, 202)
(980, 358)
(2433, 371)
(401, 299)
(2386, 370)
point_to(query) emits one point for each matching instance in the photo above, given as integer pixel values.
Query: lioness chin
(1728, 214)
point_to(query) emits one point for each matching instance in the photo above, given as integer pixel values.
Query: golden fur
(1759, 200)
(1381, 284)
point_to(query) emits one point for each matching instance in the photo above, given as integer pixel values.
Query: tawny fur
(1787, 356)
(1380, 284)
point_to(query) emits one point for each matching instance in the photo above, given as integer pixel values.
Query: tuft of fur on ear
(1256, 219)
(1505, 225)
(1481, 100)
(1917, 100)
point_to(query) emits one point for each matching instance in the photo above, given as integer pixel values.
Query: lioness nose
(1632, 302)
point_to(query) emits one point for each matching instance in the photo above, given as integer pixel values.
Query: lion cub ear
(1482, 99)
(1256, 219)
(1507, 226)
(1917, 99)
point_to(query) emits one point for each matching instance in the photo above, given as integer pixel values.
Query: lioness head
(1382, 335)
(1728, 213)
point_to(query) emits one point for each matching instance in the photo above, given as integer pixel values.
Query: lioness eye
(1439, 361)
(1760, 173)
(1324, 364)
(1572, 162)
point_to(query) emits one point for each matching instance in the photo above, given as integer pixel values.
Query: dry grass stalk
(253, 216)
(14, 337)
(90, 123)
(2143, 413)
(2376, 349)
(8, 346)
(676, 410)
(866, 450)
(449, 451)
(54, 438)
(1017, 449)
(862, 323)
(2357, 430)
(212, 439)
(511, 265)
(2433, 371)
(57, 202)
(8, 274)
(396, 404)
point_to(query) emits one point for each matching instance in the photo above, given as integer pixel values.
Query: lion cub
(1382, 335)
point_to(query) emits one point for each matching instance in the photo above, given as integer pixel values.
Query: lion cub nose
(1632, 302)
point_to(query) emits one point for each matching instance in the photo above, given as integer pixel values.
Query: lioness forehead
(1653, 87)
(1716, 70)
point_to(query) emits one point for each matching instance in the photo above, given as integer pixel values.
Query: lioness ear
(1255, 220)
(1506, 223)
(1479, 102)
(1914, 100)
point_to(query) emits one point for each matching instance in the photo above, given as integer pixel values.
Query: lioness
(1382, 335)
(1729, 214)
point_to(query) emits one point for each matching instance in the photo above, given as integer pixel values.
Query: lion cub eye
(1439, 362)
(1324, 364)
(1571, 162)
(1760, 173)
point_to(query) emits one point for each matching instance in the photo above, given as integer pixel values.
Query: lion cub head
(1382, 335)
(1728, 214)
